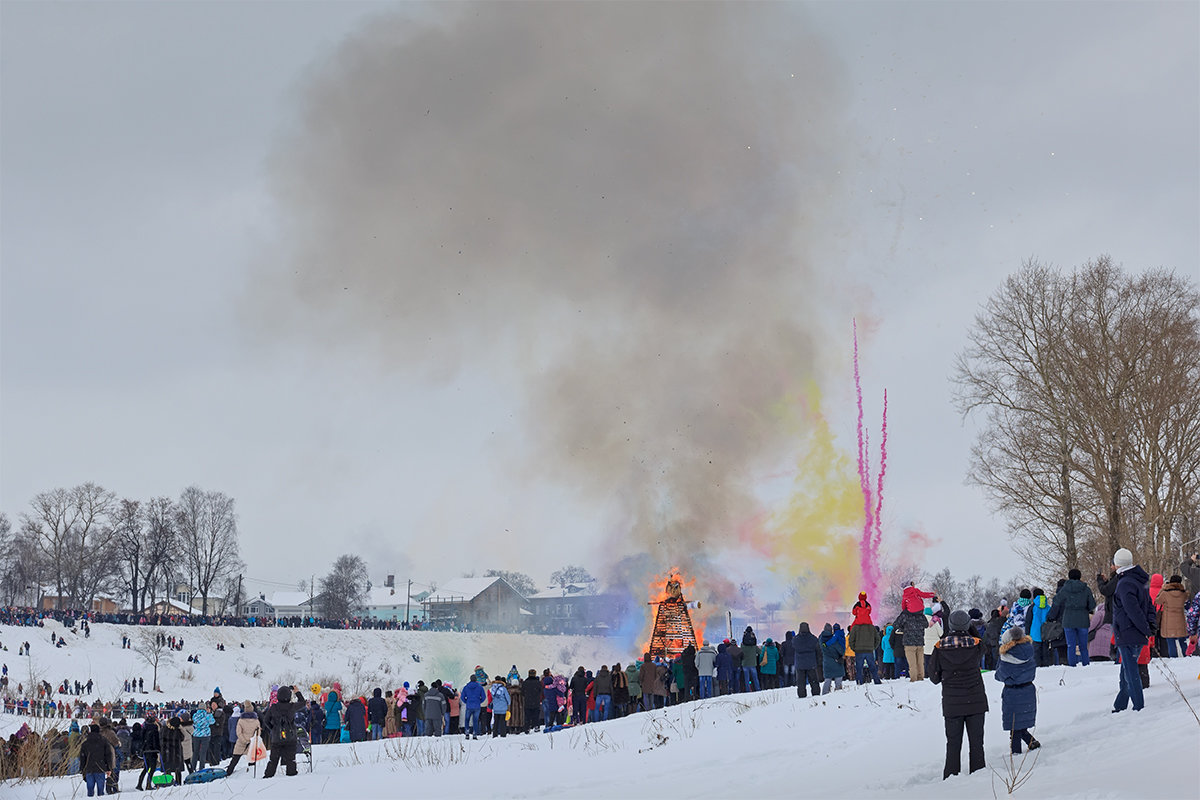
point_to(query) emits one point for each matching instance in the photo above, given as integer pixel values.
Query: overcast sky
(186, 187)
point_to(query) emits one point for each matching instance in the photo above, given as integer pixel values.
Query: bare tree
(153, 650)
(570, 574)
(1012, 369)
(524, 584)
(72, 531)
(160, 546)
(206, 524)
(129, 526)
(1091, 387)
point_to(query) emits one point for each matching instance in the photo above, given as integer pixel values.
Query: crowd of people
(35, 617)
(1130, 617)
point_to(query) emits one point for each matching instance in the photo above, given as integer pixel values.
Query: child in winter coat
(1017, 614)
(889, 654)
(1018, 700)
(913, 599)
(862, 611)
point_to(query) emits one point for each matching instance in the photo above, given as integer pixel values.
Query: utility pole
(408, 604)
(311, 598)
(237, 599)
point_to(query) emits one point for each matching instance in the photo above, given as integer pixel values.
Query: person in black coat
(377, 713)
(171, 740)
(806, 656)
(955, 665)
(991, 632)
(356, 720)
(96, 759)
(531, 693)
(150, 748)
(280, 721)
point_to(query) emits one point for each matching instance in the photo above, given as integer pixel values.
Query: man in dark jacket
(735, 656)
(579, 684)
(1107, 585)
(356, 720)
(602, 688)
(955, 665)
(911, 625)
(864, 638)
(435, 708)
(806, 654)
(377, 713)
(150, 747)
(280, 720)
(787, 657)
(531, 693)
(724, 662)
(1133, 625)
(96, 758)
(1073, 606)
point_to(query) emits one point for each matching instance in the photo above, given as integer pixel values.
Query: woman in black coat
(150, 746)
(172, 749)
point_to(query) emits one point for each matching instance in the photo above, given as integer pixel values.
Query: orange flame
(659, 592)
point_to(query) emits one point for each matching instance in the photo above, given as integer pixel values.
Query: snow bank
(863, 742)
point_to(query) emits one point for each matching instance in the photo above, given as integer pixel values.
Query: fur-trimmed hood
(1011, 643)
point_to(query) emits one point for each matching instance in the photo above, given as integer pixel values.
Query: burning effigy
(672, 630)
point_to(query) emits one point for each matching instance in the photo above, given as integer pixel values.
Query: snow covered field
(861, 742)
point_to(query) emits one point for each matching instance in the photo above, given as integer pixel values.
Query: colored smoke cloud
(617, 204)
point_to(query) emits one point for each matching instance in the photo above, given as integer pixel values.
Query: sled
(110, 784)
(205, 775)
(163, 779)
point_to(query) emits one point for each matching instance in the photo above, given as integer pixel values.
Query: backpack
(1052, 630)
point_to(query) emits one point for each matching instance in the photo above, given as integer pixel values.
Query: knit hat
(862, 595)
(1122, 558)
(959, 620)
(1074, 574)
(1012, 634)
(1026, 594)
(975, 613)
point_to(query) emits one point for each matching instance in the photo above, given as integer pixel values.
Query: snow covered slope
(360, 660)
(862, 742)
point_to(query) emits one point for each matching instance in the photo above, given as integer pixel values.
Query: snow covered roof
(384, 596)
(461, 589)
(173, 604)
(288, 599)
(559, 592)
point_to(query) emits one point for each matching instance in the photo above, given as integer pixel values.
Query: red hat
(862, 595)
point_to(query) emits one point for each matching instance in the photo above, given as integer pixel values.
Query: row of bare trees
(1088, 383)
(85, 541)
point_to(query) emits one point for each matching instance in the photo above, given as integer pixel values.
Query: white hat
(1122, 558)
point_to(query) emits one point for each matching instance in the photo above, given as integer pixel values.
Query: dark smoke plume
(616, 202)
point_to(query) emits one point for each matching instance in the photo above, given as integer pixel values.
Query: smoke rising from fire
(618, 204)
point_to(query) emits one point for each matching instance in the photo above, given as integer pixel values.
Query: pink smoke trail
(879, 484)
(867, 562)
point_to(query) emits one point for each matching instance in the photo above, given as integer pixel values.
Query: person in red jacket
(862, 611)
(914, 598)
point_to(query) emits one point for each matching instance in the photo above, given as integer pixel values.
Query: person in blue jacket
(333, 718)
(1018, 700)
(833, 652)
(1036, 615)
(501, 700)
(473, 697)
(1133, 625)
